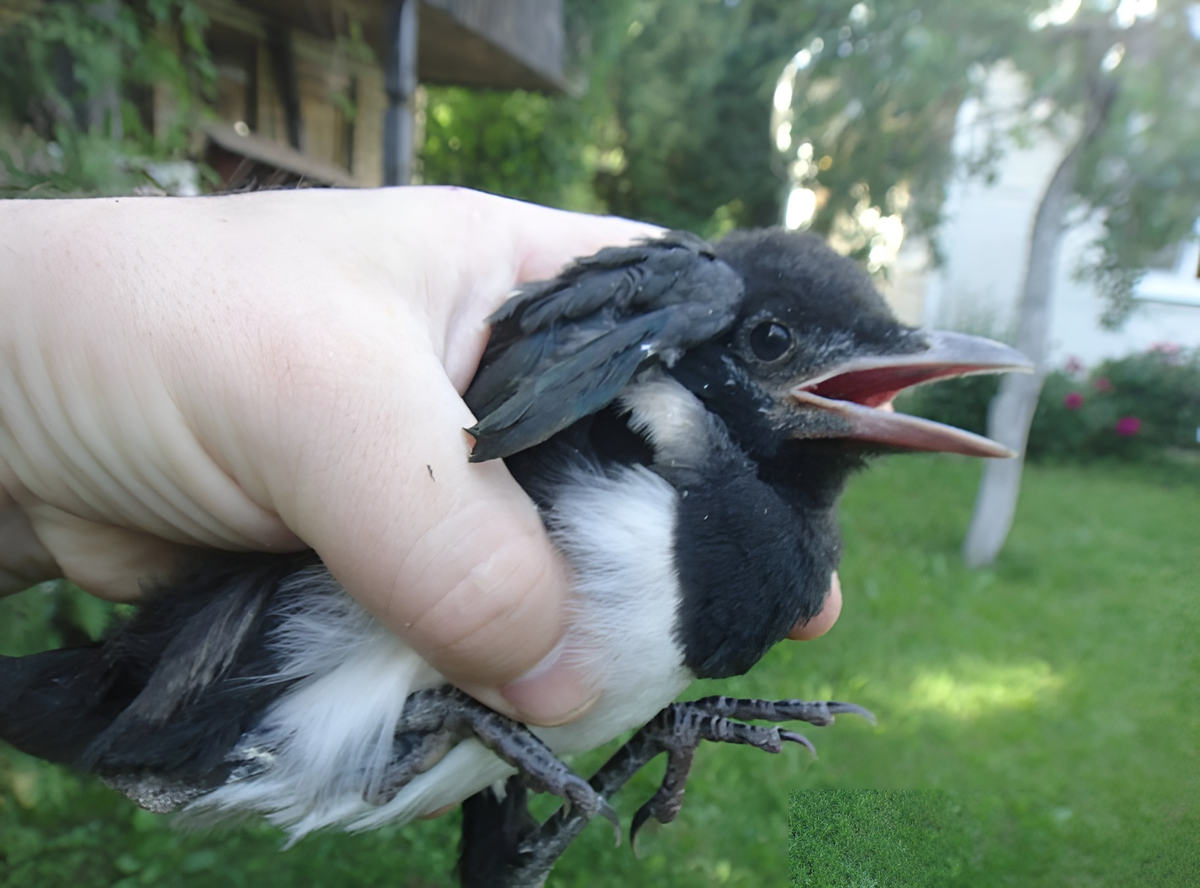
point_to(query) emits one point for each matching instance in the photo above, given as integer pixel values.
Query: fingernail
(553, 692)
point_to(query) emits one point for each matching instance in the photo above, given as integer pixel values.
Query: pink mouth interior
(878, 386)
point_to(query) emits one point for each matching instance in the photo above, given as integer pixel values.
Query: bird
(684, 414)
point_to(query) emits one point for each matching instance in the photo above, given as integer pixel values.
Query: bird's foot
(527, 853)
(435, 721)
(681, 727)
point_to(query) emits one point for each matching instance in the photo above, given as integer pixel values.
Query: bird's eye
(769, 340)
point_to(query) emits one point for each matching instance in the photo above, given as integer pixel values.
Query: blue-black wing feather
(564, 349)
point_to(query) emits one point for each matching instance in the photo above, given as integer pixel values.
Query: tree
(676, 122)
(1128, 78)
(866, 133)
(675, 125)
(531, 146)
(672, 127)
(691, 93)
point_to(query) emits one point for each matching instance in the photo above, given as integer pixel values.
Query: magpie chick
(685, 416)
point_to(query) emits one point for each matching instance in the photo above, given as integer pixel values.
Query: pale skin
(279, 371)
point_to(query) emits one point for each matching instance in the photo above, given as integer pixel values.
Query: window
(1174, 277)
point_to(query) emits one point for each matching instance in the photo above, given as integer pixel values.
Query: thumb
(450, 555)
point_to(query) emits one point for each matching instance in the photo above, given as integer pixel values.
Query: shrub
(958, 402)
(1131, 408)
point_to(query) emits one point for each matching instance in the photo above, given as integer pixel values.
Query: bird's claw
(607, 812)
(820, 712)
(580, 795)
(793, 737)
(680, 728)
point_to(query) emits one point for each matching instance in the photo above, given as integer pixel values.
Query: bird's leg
(529, 852)
(677, 730)
(681, 727)
(413, 753)
(434, 721)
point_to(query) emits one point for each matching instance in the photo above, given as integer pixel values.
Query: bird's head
(815, 357)
(803, 380)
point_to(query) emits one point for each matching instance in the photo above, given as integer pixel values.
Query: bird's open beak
(860, 392)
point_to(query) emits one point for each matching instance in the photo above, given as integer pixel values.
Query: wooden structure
(322, 91)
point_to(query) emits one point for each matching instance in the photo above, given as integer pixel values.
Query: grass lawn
(1053, 699)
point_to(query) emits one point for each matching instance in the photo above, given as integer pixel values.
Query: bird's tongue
(860, 393)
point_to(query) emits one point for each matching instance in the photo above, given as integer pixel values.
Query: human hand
(276, 371)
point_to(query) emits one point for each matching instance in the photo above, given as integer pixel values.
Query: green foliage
(547, 149)
(77, 82)
(691, 90)
(672, 127)
(520, 144)
(878, 87)
(678, 109)
(876, 94)
(1050, 694)
(52, 615)
(876, 837)
(959, 402)
(1141, 173)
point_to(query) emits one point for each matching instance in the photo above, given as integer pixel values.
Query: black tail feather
(492, 831)
(166, 692)
(47, 702)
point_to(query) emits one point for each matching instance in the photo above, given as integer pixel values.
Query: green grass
(1055, 697)
(869, 838)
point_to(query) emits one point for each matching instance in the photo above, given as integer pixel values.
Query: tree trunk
(1011, 411)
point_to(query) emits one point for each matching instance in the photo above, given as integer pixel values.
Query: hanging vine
(93, 93)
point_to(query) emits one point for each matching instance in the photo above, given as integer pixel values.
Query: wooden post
(283, 61)
(400, 81)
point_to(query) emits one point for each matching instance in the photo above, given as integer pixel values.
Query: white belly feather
(330, 736)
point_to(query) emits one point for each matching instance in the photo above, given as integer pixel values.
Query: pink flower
(1073, 366)
(1128, 426)
(1073, 401)
(1168, 352)
(1102, 384)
